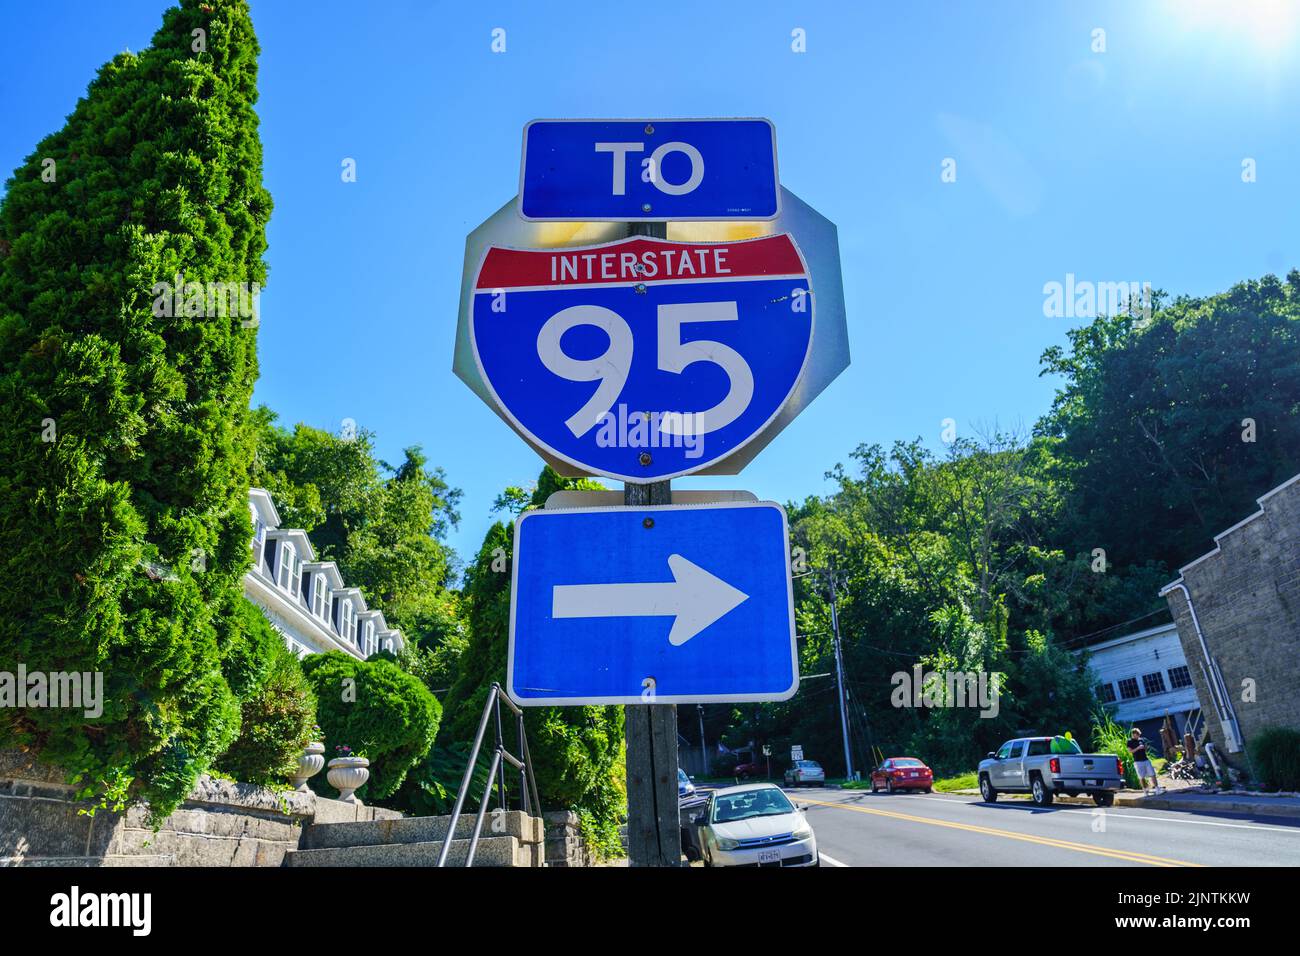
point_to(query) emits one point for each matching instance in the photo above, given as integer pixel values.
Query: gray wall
(1247, 599)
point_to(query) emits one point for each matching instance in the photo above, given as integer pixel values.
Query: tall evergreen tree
(126, 447)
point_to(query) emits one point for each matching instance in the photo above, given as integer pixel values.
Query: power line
(1075, 640)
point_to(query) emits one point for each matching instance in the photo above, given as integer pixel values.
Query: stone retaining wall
(565, 845)
(219, 824)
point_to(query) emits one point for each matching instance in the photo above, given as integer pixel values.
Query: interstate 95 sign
(643, 359)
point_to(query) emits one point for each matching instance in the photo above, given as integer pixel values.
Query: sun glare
(1267, 26)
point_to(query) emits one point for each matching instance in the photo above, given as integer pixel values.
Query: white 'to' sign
(619, 152)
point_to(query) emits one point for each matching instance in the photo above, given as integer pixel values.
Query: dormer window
(290, 568)
(258, 543)
(368, 639)
(348, 621)
(320, 597)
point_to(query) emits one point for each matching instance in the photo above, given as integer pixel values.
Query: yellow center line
(1131, 856)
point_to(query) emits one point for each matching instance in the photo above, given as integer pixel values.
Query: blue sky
(1123, 165)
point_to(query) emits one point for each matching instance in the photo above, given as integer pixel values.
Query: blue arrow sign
(624, 170)
(643, 359)
(667, 604)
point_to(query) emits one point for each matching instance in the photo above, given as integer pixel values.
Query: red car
(754, 769)
(902, 773)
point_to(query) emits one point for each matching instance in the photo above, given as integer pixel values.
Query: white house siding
(1138, 657)
(304, 632)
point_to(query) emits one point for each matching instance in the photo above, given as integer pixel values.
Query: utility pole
(839, 677)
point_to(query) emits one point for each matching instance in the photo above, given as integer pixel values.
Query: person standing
(1142, 763)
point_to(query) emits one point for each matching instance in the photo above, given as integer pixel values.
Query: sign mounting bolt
(640, 288)
(647, 523)
(649, 128)
(645, 458)
(645, 207)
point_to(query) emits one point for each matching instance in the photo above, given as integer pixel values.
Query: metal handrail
(496, 775)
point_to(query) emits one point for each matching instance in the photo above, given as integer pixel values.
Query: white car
(806, 773)
(755, 825)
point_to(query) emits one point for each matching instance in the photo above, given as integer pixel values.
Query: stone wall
(564, 843)
(220, 824)
(1246, 593)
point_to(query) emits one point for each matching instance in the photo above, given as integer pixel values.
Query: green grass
(965, 781)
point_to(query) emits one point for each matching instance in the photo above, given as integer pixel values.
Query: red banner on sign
(632, 261)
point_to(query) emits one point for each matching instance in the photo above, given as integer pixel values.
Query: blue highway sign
(660, 604)
(637, 170)
(643, 359)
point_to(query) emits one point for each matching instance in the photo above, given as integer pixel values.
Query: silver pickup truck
(1033, 765)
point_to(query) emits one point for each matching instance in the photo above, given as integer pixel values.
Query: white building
(1143, 676)
(306, 599)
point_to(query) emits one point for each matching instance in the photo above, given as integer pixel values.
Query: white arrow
(694, 598)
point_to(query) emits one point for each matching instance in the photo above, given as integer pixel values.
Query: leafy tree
(384, 526)
(934, 562)
(1175, 425)
(127, 444)
(985, 559)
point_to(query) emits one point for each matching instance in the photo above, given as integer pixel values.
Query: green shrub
(430, 788)
(1275, 754)
(378, 710)
(276, 720)
(1109, 737)
(126, 447)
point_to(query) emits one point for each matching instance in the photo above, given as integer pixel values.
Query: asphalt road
(859, 828)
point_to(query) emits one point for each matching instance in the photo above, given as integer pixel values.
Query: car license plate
(769, 856)
(1095, 783)
(912, 774)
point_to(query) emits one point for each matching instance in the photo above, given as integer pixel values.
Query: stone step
(512, 823)
(492, 851)
(108, 860)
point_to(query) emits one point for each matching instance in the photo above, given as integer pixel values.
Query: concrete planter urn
(346, 774)
(310, 762)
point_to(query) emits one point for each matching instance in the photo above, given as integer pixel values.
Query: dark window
(1154, 683)
(1004, 751)
(1106, 692)
(1017, 749)
(1128, 688)
(1179, 677)
(1039, 748)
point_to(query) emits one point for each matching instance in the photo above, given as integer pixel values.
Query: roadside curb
(1185, 804)
(1191, 805)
